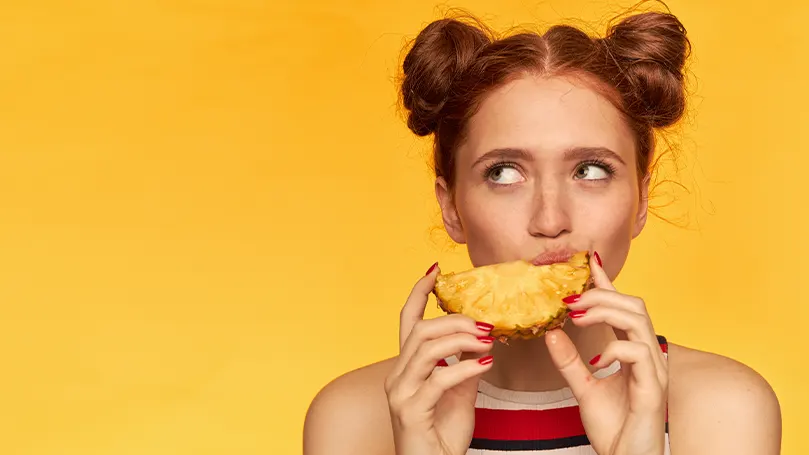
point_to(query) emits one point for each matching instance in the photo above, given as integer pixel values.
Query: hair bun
(651, 50)
(441, 52)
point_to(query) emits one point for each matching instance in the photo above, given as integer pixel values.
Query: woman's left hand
(624, 413)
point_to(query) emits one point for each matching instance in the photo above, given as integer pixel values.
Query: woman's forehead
(547, 115)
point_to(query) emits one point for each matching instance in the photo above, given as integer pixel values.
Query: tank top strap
(664, 344)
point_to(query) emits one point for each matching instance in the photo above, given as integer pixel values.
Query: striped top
(522, 423)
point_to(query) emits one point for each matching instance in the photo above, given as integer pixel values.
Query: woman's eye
(505, 175)
(591, 172)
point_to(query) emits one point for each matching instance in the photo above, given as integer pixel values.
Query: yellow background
(210, 209)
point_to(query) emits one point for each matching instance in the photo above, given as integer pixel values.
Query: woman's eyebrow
(505, 153)
(583, 153)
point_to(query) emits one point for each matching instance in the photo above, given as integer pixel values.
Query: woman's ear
(643, 206)
(452, 222)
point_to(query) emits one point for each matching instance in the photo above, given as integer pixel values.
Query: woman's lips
(552, 257)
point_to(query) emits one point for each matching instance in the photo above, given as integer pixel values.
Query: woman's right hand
(433, 408)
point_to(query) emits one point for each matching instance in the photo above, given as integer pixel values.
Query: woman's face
(548, 168)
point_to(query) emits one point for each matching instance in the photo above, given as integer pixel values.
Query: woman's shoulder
(713, 396)
(691, 367)
(350, 414)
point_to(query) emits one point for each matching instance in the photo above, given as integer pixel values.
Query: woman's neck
(525, 365)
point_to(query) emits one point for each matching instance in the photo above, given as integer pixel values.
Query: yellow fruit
(520, 299)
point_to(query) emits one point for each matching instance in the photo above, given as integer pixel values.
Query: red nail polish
(572, 298)
(486, 360)
(485, 327)
(442, 363)
(595, 359)
(432, 267)
(598, 258)
(577, 313)
(487, 340)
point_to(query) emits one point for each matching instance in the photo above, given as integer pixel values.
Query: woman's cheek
(495, 231)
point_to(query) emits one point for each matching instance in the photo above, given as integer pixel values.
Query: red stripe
(528, 424)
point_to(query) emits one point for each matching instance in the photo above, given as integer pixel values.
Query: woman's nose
(550, 215)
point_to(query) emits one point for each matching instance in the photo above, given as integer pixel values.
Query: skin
(545, 195)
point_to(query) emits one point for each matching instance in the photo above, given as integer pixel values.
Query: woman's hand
(433, 409)
(624, 413)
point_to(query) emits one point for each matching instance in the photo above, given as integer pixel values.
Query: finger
(600, 277)
(587, 302)
(567, 360)
(607, 298)
(431, 329)
(422, 364)
(636, 327)
(446, 378)
(413, 309)
(640, 361)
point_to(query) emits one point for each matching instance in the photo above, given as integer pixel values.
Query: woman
(543, 145)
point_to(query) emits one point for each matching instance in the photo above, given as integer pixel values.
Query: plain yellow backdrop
(209, 209)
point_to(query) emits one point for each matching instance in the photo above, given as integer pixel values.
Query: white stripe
(491, 397)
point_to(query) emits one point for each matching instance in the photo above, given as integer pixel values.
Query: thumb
(413, 309)
(567, 360)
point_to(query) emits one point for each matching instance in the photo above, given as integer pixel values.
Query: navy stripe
(549, 444)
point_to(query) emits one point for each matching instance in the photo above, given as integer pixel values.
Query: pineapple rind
(519, 299)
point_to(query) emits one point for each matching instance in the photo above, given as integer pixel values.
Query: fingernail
(598, 258)
(485, 327)
(577, 313)
(442, 363)
(572, 298)
(595, 359)
(432, 267)
(487, 340)
(485, 360)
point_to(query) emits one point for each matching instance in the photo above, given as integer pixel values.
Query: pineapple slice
(520, 299)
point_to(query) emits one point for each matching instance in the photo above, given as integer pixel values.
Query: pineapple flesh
(519, 299)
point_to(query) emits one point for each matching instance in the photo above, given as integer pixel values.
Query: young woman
(543, 145)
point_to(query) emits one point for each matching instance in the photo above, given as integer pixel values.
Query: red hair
(453, 64)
